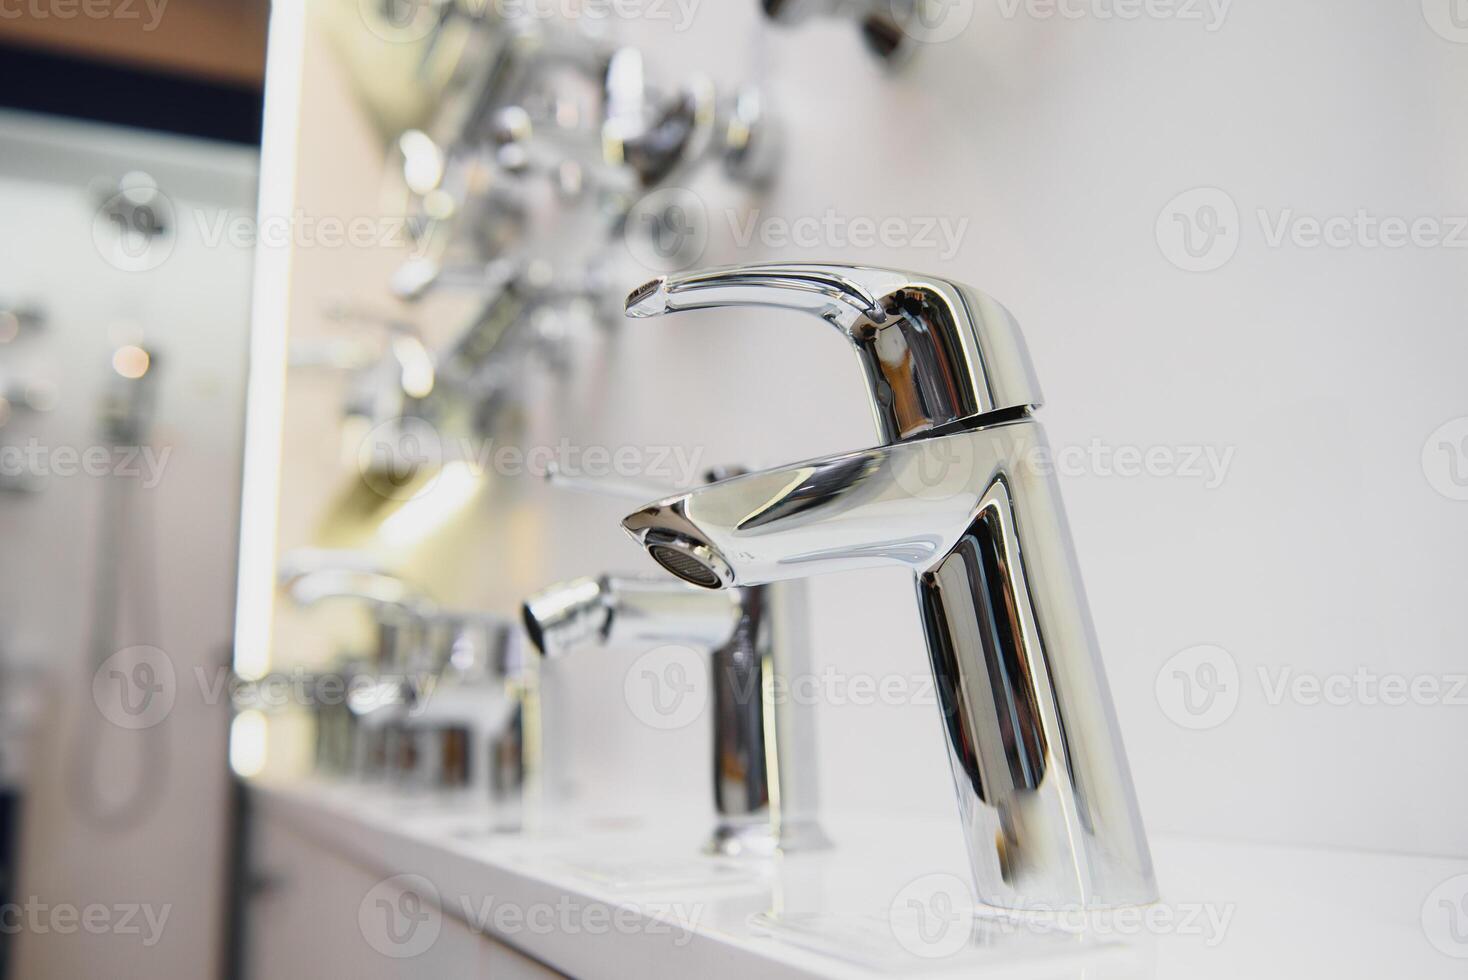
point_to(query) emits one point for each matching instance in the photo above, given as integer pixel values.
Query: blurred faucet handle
(17, 318)
(889, 27)
(301, 561)
(751, 141)
(661, 141)
(312, 575)
(419, 276)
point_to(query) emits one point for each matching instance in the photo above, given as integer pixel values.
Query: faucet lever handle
(934, 353)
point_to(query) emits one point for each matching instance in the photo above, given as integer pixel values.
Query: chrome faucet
(956, 492)
(764, 791)
(478, 729)
(370, 728)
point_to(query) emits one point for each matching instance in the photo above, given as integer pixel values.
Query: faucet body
(763, 754)
(960, 493)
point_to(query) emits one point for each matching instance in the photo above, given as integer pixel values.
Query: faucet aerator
(649, 299)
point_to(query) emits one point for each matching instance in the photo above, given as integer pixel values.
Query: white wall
(177, 568)
(1321, 372)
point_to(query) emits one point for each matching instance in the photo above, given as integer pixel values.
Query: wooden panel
(221, 40)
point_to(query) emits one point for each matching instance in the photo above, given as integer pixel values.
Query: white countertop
(624, 898)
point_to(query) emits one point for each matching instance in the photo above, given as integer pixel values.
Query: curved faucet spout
(906, 504)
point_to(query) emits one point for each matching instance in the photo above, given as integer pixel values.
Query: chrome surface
(764, 790)
(890, 28)
(961, 494)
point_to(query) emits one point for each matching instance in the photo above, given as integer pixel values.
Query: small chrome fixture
(953, 493)
(764, 790)
(476, 730)
(380, 692)
(890, 28)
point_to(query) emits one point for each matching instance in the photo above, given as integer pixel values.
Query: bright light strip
(269, 313)
(247, 743)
